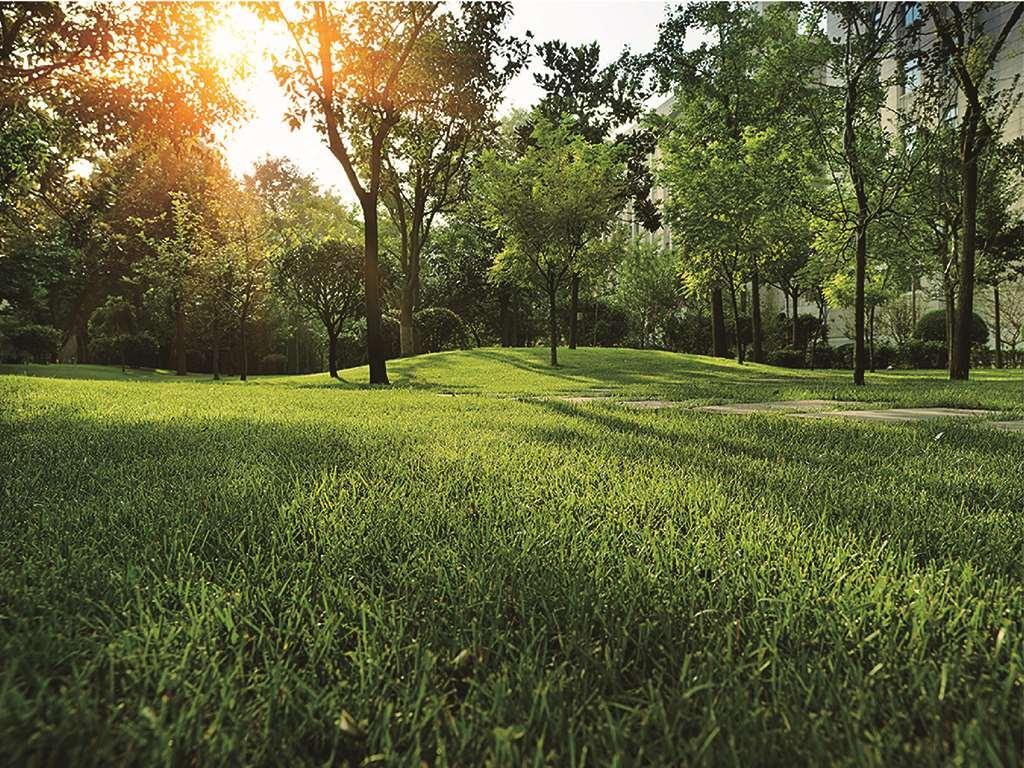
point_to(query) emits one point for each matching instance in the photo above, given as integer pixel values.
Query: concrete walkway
(896, 415)
(813, 409)
(779, 406)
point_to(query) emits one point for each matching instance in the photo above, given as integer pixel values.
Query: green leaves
(559, 197)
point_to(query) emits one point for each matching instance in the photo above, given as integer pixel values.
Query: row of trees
(836, 161)
(785, 159)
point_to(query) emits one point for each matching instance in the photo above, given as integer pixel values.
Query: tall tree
(876, 160)
(551, 205)
(169, 271)
(243, 229)
(323, 278)
(602, 102)
(971, 53)
(749, 68)
(353, 70)
(433, 147)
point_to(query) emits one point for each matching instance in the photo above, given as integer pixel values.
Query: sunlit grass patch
(210, 574)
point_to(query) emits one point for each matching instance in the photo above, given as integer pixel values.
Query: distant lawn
(622, 373)
(304, 571)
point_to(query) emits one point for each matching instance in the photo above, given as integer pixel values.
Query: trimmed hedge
(786, 357)
(274, 363)
(931, 326)
(439, 329)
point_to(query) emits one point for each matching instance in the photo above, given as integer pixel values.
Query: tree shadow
(806, 463)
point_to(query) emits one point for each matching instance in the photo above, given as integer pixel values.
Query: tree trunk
(871, 338)
(406, 332)
(913, 302)
(969, 196)
(736, 321)
(216, 350)
(950, 298)
(553, 321)
(179, 338)
(332, 353)
(755, 317)
(719, 347)
(795, 331)
(81, 342)
(575, 309)
(375, 352)
(505, 317)
(245, 351)
(998, 328)
(858, 303)
(857, 176)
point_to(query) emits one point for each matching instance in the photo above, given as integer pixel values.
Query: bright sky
(612, 23)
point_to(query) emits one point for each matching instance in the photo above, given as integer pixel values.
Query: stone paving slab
(1009, 426)
(897, 415)
(780, 406)
(582, 399)
(651, 405)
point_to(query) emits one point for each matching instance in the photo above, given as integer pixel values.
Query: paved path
(780, 406)
(812, 409)
(896, 415)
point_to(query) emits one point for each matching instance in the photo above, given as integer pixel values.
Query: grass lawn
(302, 571)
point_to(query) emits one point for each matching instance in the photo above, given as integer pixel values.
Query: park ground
(467, 569)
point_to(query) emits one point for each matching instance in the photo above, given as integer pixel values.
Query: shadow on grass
(874, 477)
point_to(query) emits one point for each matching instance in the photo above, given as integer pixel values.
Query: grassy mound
(200, 573)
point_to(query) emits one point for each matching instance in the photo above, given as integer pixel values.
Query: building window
(909, 136)
(951, 115)
(911, 14)
(911, 74)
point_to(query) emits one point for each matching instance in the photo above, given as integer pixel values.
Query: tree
(324, 279)
(457, 265)
(358, 69)
(601, 102)
(749, 69)
(243, 230)
(877, 159)
(296, 209)
(432, 149)
(551, 205)
(169, 271)
(1000, 238)
(971, 54)
(647, 288)
(114, 323)
(215, 286)
(715, 205)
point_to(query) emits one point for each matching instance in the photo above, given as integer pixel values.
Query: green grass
(303, 571)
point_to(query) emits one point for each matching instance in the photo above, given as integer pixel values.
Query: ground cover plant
(313, 571)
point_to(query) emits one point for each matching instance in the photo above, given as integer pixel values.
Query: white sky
(612, 23)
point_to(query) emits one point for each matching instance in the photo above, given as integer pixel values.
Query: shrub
(689, 333)
(824, 356)
(439, 329)
(843, 355)
(142, 350)
(786, 358)
(351, 350)
(274, 363)
(745, 326)
(931, 326)
(886, 355)
(924, 354)
(779, 331)
(30, 342)
(601, 323)
(391, 331)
